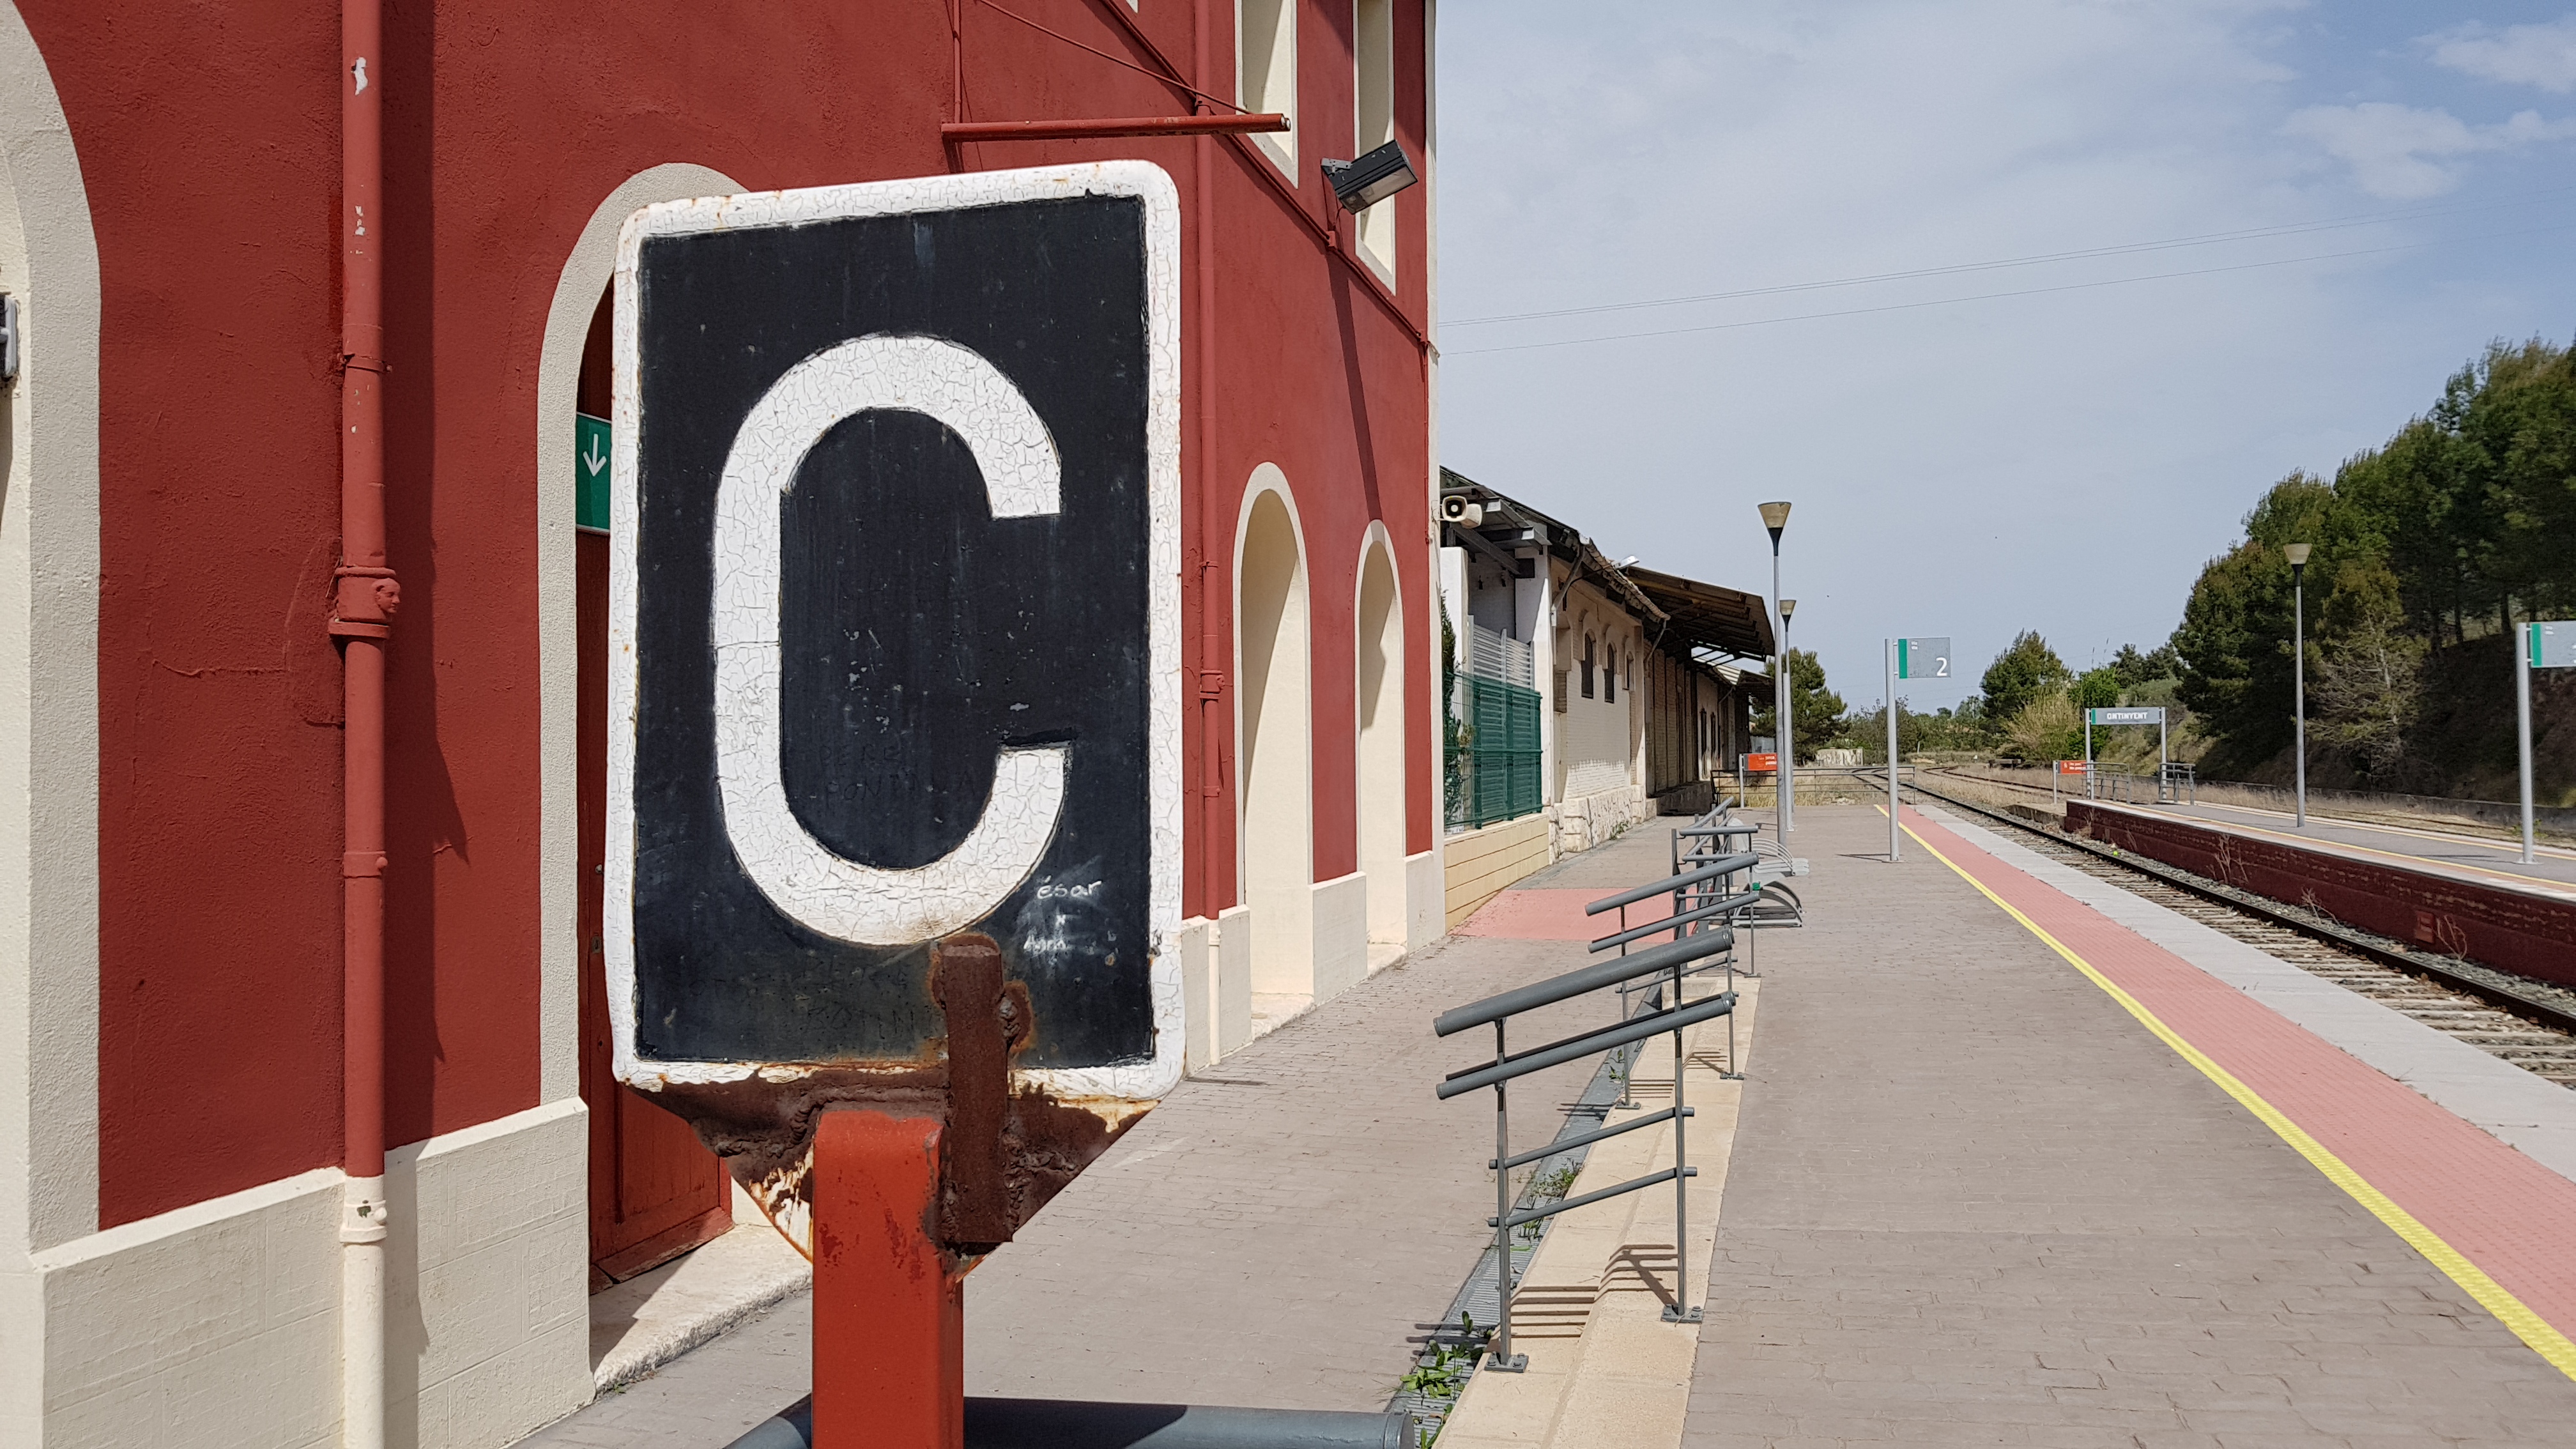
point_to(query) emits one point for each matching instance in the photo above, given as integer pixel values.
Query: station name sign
(2126, 716)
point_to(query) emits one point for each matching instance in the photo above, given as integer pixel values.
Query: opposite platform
(2475, 857)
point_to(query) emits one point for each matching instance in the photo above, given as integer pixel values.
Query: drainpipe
(361, 621)
(1216, 563)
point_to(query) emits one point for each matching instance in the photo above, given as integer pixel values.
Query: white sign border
(1137, 1081)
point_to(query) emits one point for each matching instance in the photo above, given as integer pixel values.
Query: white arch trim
(49, 583)
(587, 271)
(1268, 478)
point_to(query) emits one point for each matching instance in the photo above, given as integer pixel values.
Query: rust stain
(1010, 1146)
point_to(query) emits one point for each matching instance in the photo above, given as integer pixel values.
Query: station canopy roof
(1707, 622)
(1709, 616)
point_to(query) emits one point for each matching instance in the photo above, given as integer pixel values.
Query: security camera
(1459, 509)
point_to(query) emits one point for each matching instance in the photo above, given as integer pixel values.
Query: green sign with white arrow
(590, 472)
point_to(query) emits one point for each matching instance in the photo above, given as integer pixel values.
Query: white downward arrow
(595, 458)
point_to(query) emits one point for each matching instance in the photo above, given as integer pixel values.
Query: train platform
(2026, 1159)
(2021, 1158)
(2483, 858)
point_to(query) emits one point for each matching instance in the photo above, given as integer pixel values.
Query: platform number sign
(894, 619)
(1922, 658)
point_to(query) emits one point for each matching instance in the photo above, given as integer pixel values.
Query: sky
(2292, 221)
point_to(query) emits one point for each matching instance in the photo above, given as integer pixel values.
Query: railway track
(2531, 1024)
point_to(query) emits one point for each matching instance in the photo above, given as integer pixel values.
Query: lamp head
(1363, 183)
(2298, 554)
(1787, 607)
(1775, 517)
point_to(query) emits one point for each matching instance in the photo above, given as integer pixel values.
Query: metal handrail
(1697, 913)
(1652, 1179)
(1586, 1139)
(1706, 906)
(1574, 983)
(1723, 865)
(1559, 1052)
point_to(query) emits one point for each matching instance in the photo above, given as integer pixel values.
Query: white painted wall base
(1341, 934)
(216, 1325)
(1194, 946)
(1423, 892)
(1233, 979)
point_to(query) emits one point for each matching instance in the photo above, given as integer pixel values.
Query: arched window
(1587, 667)
(1610, 680)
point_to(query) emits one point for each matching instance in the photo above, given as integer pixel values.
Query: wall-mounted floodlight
(1629, 562)
(8, 338)
(1372, 178)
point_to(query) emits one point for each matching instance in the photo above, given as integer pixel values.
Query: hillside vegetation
(2428, 549)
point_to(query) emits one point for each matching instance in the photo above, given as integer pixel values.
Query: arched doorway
(1380, 654)
(1274, 700)
(655, 1191)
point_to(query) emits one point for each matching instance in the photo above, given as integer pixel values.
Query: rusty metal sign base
(1011, 1145)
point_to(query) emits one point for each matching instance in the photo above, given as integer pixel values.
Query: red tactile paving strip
(2511, 1217)
(1557, 915)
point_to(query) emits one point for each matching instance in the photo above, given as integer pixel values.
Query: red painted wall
(208, 139)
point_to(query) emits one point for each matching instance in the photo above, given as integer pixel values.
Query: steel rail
(2413, 963)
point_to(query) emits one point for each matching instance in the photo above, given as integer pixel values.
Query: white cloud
(2063, 461)
(2530, 55)
(2397, 151)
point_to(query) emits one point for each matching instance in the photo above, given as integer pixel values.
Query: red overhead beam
(955, 131)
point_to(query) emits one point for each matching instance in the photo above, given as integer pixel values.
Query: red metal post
(889, 1303)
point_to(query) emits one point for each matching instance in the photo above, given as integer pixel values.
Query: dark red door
(655, 1190)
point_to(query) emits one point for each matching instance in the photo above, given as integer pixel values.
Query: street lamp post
(1788, 720)
(1775, 517)
(2298, 556)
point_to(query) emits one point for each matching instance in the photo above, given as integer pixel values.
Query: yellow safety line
(2528, 1326)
